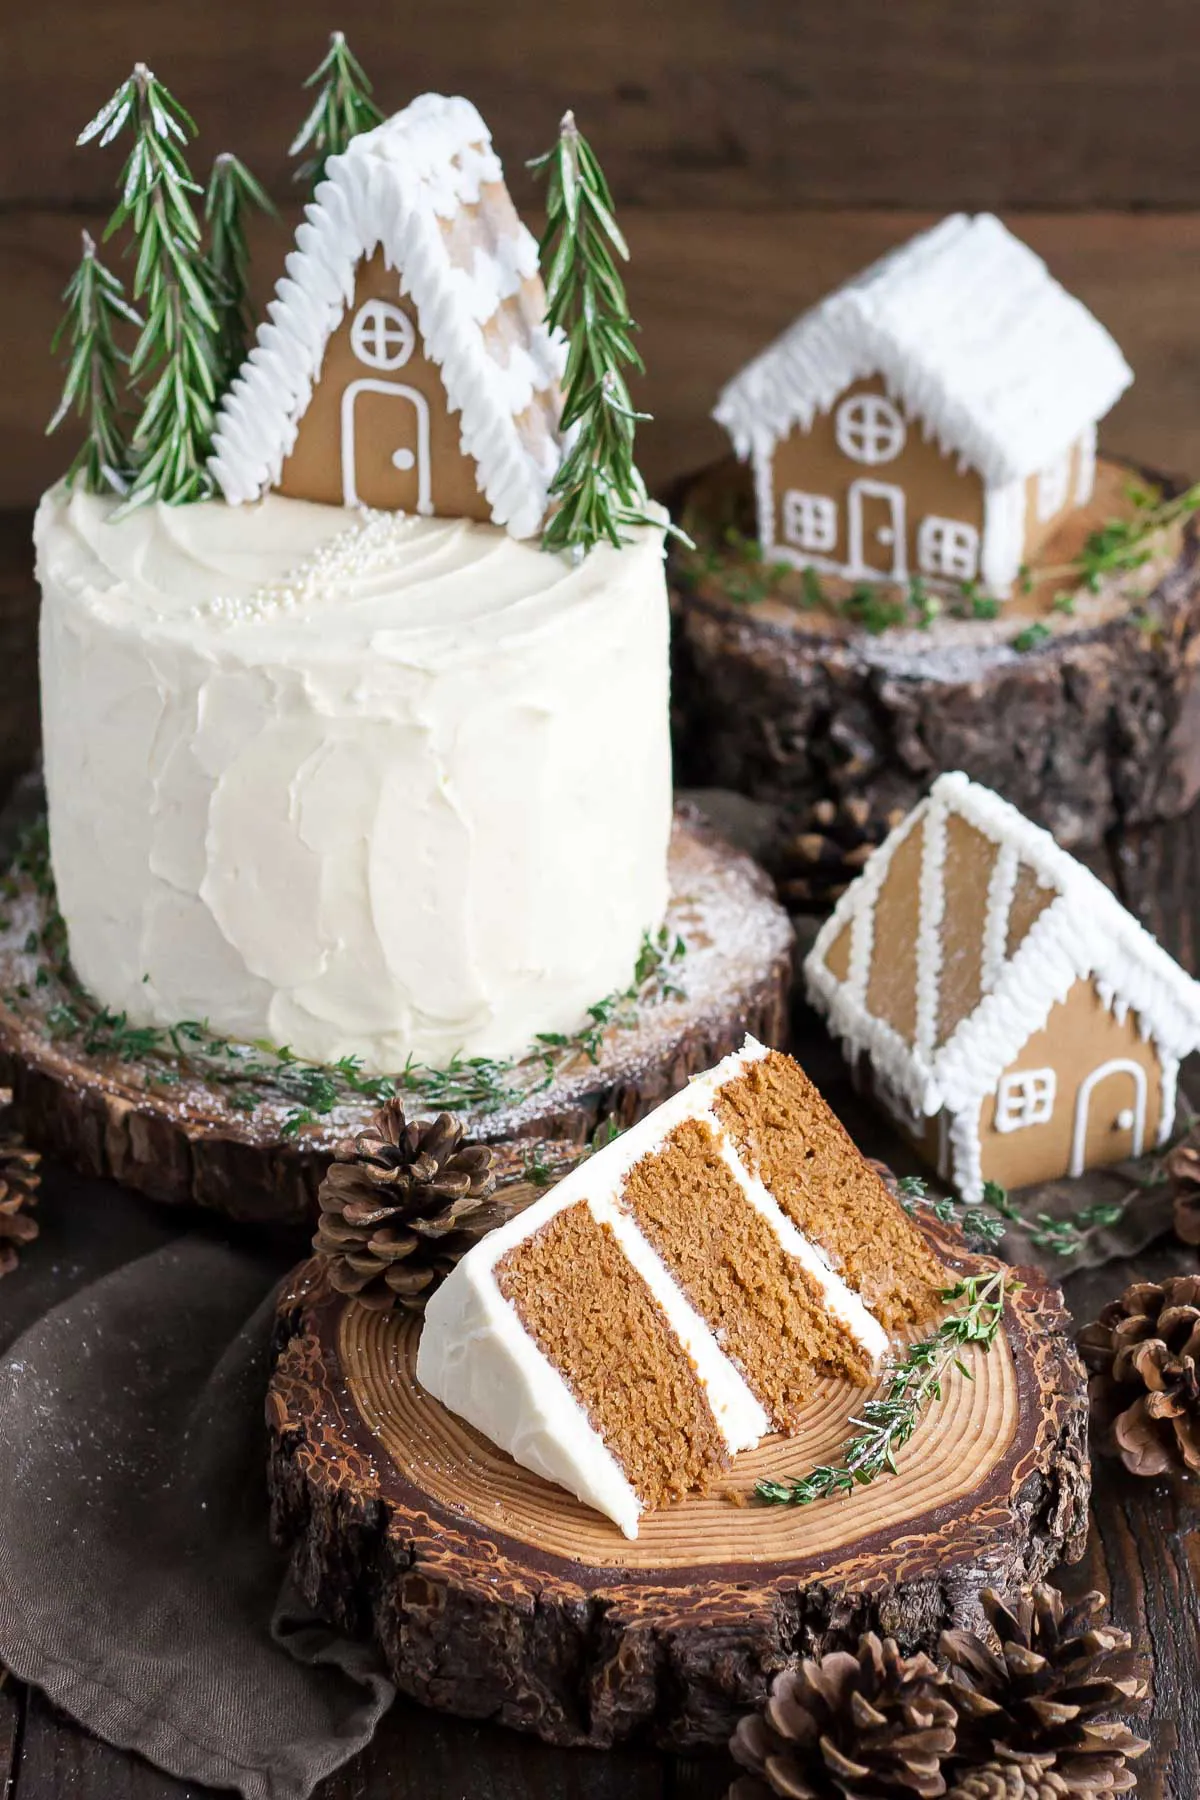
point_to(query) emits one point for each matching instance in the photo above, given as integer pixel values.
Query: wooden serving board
(183, 1141)
(494, 1594)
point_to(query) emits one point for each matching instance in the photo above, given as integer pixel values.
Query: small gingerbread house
(934, 417)
(1018, 1023)
(405, 364)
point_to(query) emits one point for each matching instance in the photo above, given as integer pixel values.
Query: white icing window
(1053, 486)
(809, 521)
(869, 429)
(1026, 1098)
(382, 336)
(948, 547)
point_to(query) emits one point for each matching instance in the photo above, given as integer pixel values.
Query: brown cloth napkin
(137, 1584)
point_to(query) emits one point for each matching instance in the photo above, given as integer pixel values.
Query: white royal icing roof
(1084, 932)
(399, 187)
(970, 332)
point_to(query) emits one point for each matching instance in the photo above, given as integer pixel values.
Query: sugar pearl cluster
(361, 550)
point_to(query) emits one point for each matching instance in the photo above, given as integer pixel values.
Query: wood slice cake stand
(493, 1594)
(172, 1127)
(1091, 728)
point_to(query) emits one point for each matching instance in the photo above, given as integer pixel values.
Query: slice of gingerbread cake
(676, 1297)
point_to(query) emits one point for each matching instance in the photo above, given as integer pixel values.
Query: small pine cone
(20, 1179)
(829, 848)
(849, 1727)
(400, 1204)
(1142, 1352)
(1042, 1685)
(1009, 1777)
(1183, 1172)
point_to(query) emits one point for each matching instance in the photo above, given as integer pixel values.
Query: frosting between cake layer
(376, 786)
(476, 1357)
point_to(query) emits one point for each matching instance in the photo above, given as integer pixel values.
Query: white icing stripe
(932, 903)
(841, 1300)
(740, 1416)
(1002, 885)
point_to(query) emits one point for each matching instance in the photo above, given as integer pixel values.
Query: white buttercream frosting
(379, 786)
(476, 1357)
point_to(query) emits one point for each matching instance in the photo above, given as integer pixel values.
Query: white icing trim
(372, 384)
(972, 336)
(1003, 550)
(1002, 885)
(1085, 473)
(394, 188)
(932, 904)
(1084, 933)
(1118, 1065)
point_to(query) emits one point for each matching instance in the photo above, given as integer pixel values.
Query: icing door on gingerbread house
(379, 430)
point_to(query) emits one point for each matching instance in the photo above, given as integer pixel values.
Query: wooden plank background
(761, 150)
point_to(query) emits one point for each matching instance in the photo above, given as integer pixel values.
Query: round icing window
(382, 336)
(869, 429)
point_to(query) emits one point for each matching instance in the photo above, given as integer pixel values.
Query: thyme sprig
(598, 493)
(981, 1227)
(343, 108)
(888, 1421)
(95, 309)
(258, 1073)
(1120, 546)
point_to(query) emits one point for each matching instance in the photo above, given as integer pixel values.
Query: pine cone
(1011, 1777)
(828, 850)
(849, 1727)
(1183, 1172)
(400, 1204)
(1145, 1392)
(19, 1181)
(1039, 1688)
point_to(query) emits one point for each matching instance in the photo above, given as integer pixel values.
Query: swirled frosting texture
(386, 788)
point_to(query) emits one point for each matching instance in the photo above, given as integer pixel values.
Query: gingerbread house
(404, 364)
(1018, 1023)
(935, 417)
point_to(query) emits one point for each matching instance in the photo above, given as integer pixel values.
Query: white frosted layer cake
(381, 786)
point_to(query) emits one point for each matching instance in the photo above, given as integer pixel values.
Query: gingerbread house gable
(962, 932)
(425, 191)
(972, 338)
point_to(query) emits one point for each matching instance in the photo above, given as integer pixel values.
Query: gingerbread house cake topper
(405, 363)
(935, 417)
(1015, 1019)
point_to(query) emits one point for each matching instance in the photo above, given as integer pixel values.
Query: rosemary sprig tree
(598, 492)
(343, 107)
(175, 360)
(96, 306)
(231, 190)
(888, 1421)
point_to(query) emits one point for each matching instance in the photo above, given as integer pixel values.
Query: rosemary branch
(95, 309)
(343, 108)
(888, 1421)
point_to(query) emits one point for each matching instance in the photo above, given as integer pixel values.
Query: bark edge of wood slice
(772, 705)
(492, 1594)
(188, 1146)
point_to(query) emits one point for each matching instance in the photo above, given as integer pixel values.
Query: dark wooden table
(1144, 1551)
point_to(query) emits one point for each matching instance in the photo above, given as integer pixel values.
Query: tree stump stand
(174, 1133)
(493, 1594)
(1091, 726)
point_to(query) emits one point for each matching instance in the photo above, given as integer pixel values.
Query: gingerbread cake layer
(672, 1301)
(596, 1319)
(787, 1135)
